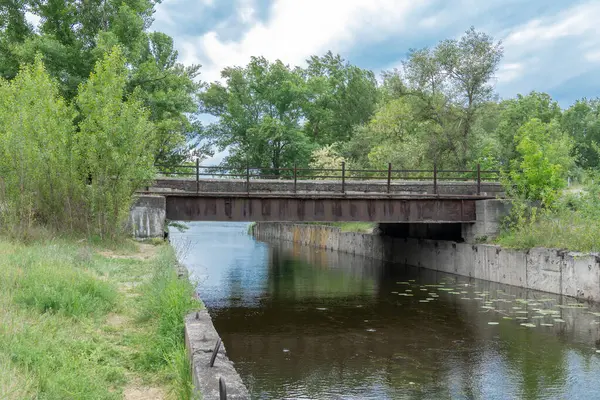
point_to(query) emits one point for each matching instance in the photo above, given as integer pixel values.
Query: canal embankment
(550, 270)
(211, 373)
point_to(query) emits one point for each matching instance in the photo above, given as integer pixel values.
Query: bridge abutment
(489, 216)
(147, 217)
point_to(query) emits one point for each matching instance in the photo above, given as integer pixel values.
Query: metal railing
(389, 175)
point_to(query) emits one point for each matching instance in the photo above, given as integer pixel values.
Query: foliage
(572, 223)
(514, 113)
(113, 146)
(582, 122)
(339, 97)
(452, 82)
(36, 171)
(66, 176)
(260, 111)
(327, 157)
(438, 109)
(74, 35)
(544, 160)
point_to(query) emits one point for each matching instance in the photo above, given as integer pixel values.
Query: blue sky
(550, 45)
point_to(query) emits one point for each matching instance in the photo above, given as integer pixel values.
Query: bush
(72, 176)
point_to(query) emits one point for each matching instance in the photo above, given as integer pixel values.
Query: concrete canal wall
(201, 338)
(549, 270)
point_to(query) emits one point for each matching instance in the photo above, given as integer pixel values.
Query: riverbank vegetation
(83, 320)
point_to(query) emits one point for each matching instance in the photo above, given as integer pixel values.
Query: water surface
(302, 323)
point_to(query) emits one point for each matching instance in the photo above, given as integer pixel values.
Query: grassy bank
(82, 321)
(567, 229)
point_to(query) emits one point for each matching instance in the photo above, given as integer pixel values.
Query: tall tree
(340, 97)
(452, 82)
(260, 112)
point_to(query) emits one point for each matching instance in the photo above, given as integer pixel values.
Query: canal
(303, 323)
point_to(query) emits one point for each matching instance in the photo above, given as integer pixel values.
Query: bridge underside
(314, 209)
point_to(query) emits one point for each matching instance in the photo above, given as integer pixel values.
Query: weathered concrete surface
(492, 189)
(201, 337)
(489, 216)
(548, 270)
(147, 217)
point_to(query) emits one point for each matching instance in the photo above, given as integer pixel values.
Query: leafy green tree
(582, 122)
(452, 82)
(514, 113)
(545, 157)
(36, 132)
(340, 97)
(14, 30)
(260, 112)
(168, 90)
(74, 34)
(114, 145)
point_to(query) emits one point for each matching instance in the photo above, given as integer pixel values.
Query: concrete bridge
(431, 203)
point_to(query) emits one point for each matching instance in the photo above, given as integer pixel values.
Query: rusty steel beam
(290, 209)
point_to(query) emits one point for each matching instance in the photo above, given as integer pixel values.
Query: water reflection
(307, 324)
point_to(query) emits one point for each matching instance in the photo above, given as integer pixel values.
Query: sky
(549, 45)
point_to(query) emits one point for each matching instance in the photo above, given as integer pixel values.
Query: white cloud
(593, 56)
(163, 17)
(509, 72)
(553, 49)
(298, 29)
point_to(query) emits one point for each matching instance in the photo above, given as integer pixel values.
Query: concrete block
(512, 266)
(581, 276)
(388, 249)
(377, 248)
(446, 256)
(147, 217)
(465, 257)
(428, 254)
(405, 251)
(544, 270)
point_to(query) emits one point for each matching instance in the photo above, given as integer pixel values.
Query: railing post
(343, 177)
(248, 178)
(295, 177)
(197, 175)
(389, 182)
(435, 188)
(478, 179)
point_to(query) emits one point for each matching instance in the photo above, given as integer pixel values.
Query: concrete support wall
(489, 215)
(548, 270)
(147, 217)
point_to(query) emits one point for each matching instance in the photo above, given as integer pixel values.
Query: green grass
(85, 320)
(563, 230)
